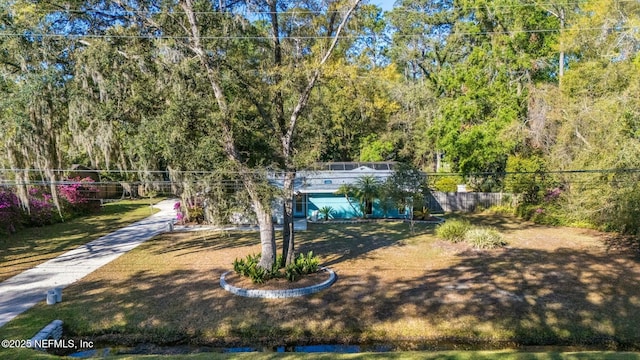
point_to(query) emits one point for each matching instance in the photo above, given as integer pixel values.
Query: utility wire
(399, 9)
(34, 35)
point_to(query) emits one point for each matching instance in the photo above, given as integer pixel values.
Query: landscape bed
(560, 287)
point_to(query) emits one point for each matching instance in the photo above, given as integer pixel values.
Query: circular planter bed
(278, 288)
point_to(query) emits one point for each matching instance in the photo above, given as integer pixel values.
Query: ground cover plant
(31, 246)
(549, 287)
(480, 237)
(299, 267)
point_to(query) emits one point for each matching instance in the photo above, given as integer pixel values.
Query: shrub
(196, 214)
(484, 238)
(447, 183)
(77, 196)
(301, 266)
(248, 267)
(10, 212)
(502, 210)
(326, 212)
(422, 213)
(453, 230)
(41, 208)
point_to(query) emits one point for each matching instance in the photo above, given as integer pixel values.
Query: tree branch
(304, 97)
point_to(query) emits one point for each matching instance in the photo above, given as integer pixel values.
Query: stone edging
(439, 220)
(279, 294)
(51, 331)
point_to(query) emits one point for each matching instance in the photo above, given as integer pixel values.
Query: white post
(51, 297)
(58, 292)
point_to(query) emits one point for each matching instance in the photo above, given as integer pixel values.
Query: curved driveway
(21, 292)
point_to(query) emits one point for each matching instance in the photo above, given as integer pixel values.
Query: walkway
(21, 292)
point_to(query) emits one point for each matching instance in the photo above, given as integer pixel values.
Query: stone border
(279, 294)
(439, 220)
(52, 331)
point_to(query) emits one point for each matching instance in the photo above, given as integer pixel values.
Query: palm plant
(326, 212)
(367, 190)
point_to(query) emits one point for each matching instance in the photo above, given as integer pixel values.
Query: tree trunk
(267, 237)
(288, 243)
(263, 212)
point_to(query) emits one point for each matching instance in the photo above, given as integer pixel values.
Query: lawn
(32, 246)
(551, 287)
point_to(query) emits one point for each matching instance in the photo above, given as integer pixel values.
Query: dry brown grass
(550, 286)
(33, 246)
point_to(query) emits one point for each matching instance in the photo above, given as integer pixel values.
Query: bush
(10, 212)
(453, 230)
(248, 267)
(326, 212)
(77, 196)
(447, 183)
(302, 265)
(484, 238)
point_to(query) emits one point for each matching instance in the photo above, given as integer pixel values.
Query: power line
(294, 11)
(309, 173)
(310, 37)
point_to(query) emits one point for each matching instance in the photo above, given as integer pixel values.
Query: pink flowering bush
(179, 214)
(41, 208)
(10, 212)
(77, 196)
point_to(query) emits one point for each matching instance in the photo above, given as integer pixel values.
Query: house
(317, 187)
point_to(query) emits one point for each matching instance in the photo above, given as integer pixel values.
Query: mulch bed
(243, 282)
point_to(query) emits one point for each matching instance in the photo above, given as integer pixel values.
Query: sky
(384, 4)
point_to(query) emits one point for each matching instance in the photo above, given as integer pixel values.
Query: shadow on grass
(515, 297)
(502, 222)
(340, 241)
(479, 299)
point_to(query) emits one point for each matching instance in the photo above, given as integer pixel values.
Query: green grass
(32, 246)
(422, 355)
(552, 286)
(437, 355)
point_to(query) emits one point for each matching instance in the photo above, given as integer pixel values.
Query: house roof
(328, 177)
(351, 165)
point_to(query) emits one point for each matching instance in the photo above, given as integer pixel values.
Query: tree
(476, 58)
(404, 189)
(367, 189)
(285, 128)
(33, 106)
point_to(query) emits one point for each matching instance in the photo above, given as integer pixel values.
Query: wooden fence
(439, 202)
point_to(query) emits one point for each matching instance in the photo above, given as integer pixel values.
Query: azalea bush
(75, 196)
(10, 212)
(41, 209)
(78, 196)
